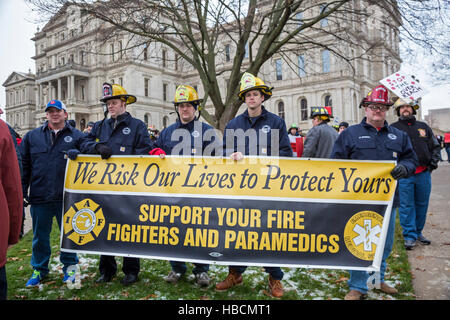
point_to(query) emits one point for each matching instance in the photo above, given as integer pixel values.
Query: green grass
(299, 283)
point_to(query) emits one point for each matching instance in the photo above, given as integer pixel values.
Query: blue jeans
(414, 197)
(358, 279)
(180, 267)
(42, 217)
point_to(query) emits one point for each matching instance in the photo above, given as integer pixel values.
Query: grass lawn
(299, 283)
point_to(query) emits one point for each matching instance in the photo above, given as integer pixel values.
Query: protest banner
(260, 211)
(404, 86)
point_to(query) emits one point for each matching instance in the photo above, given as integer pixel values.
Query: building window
(301, 66)
(164, 91)
(281, 109)
(279, 69)
(82, 93)
(324, 21)
(227, 53)
(304, 109)
(146, 82)
(145, 53)
(164, 54)
(328, 101)
(325, 61)
(299, 17)
(120, 50)
(111, 47)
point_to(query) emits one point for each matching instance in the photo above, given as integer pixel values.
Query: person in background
(415, 191)
(321, 137)
(342, 126)
(11, 201)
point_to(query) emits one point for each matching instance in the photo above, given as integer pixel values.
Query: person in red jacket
(11, 204)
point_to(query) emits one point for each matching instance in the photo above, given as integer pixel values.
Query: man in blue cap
(44, 155)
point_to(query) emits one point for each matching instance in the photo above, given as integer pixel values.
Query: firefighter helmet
(114, 91)
(250, 82)
(322, 112)
(399, 102)
(185, 93)
(378, 95)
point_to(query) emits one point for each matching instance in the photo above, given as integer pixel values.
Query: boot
(355, 295)
(233, 279)
(387, 289)
(275, 287)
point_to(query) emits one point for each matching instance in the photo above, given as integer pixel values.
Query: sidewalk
(430, 265)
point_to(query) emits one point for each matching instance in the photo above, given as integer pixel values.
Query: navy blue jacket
(364, 142)
(261, 133)
(44, 162)
(190, 139)
(128, 137)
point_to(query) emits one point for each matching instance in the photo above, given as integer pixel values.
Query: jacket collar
(189, 126)
(67, 126)
(408, 121)
(366, 125)
(263, 114)
(124, 117)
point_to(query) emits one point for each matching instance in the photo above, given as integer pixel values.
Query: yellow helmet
(322, 112)
(114, 91)
(250, 82)
(185, 93)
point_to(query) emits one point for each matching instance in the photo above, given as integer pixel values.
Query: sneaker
(410, 244)
(69, 276)
(173, 277)
(202, 279)
(233, 279)
(35, 279)
(423, 240)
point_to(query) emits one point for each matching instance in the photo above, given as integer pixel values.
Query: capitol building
(73, 60)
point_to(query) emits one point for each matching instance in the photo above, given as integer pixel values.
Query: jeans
(180, 267)
(414, 197)
(275, 272)
(448, 153)
(358, 279)
(42, 217)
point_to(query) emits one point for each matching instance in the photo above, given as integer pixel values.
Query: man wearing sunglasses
(373, 139)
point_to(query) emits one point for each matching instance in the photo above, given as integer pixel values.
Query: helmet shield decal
(107, 90)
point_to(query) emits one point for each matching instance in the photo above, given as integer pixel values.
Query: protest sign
(404, 86)
(260, 211)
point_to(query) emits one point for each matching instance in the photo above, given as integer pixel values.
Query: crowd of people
(33, 172)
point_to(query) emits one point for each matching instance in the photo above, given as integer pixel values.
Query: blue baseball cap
(56, 104)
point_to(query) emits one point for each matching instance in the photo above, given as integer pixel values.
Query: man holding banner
(373, 139)
(266, 125)
(195, 137)
(121, 134)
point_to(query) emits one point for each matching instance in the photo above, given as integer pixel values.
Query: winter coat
(257, 141)
(319, 141)
(44, 162)
(192, 138)
(425, 144)
(125, 136)
(11, 200)
(364, 142)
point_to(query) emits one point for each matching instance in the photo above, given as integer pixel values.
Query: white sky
(16, 50)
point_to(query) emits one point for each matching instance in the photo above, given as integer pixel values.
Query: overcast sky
(16, 50)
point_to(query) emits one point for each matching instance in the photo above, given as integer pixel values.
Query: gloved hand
(156, 152)
(432, 166)
(72, 154)
(103, 150)
(399, 172)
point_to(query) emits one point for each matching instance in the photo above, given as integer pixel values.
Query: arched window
(147, 119)
(165, 121)
(328, 101)
(82, 124)
(304, 109)
(281, 109)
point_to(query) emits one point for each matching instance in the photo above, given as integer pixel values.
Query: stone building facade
(73, 60)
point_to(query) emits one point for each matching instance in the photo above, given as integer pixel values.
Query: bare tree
(258, 30)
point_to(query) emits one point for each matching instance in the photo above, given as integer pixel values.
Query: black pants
(3, 284)
(108, 265)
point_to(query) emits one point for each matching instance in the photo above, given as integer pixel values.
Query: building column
(72, 87)
(59, 88)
